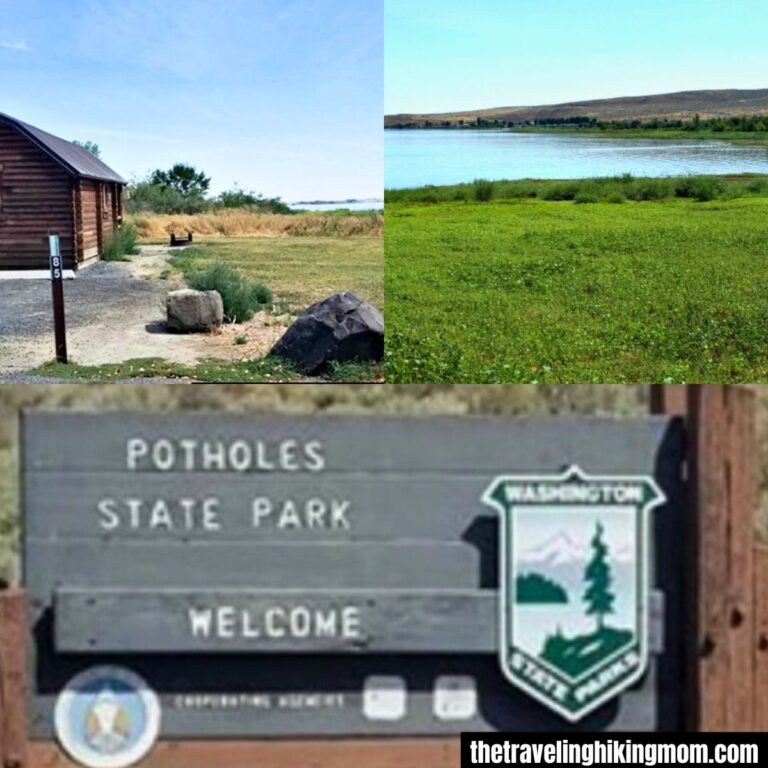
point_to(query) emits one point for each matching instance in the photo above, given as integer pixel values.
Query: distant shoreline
(738, 138)
(354, 201)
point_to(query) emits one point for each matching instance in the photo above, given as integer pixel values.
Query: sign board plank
(323, 508)
(482, 445)
(136, 565)
(353, 621)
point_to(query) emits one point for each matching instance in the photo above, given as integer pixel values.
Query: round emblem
(107, 717)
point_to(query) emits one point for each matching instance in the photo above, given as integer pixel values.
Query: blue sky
(283, 96)
(444, 55)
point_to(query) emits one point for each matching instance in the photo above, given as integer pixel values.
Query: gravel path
(25, 305)
(114, 312)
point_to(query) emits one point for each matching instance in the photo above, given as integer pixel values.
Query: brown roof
(76, 160)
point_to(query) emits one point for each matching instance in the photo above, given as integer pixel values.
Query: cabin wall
(89, 223)
(36, 199)
(99, 212)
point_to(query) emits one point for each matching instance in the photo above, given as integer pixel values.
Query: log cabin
(51, 186)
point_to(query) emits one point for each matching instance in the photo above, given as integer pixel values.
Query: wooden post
(13, 675)
(720, 673)
(761, 638)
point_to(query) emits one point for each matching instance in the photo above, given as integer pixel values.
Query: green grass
(531, 290)
(121, 244)
(8, 519)
(298, 270)
(268, 369)
(242, 298)
(610, 189)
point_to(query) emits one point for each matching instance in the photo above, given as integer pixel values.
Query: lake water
(417, 158)
(358, 205)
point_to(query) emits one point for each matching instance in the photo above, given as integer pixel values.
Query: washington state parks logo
(574, 552)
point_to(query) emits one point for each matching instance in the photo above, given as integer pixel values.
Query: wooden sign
(302, 576)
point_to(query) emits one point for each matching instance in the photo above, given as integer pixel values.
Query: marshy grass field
(611, 280)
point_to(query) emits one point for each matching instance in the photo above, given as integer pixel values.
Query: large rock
(193, 311)
(342, 328)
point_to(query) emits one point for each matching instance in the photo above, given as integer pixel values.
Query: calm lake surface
(358, 205)
(417, 158)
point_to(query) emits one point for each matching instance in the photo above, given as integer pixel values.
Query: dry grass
(243, 223)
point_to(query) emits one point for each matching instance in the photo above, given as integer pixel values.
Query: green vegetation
(121, 244)
(611, 189)
(299, 270)
(268, 369)
(750, 138)
(242, 298)
(533, 588)
(183, 189)
(531, 287)
(8, 522)
(738, 128)
(90, 146)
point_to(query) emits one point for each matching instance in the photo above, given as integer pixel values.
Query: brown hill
(682, 105)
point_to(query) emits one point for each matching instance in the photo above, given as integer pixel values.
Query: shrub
(239, 198)
(649, 189)
(241, 297)
(123, 242)
(560, 192)
(482, 190)
(585, 197)
(616, 198)
(145, 197)
(701, 188)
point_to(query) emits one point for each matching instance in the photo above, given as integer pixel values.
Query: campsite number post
(57, 288)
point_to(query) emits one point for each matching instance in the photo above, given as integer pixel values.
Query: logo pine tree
(598, 596)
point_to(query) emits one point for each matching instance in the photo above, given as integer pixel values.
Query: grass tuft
(242, 298)
(121, 244)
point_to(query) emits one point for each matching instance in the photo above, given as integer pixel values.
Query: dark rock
(342, 328)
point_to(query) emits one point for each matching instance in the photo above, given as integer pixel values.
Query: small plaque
(455, 698)
(385, 698)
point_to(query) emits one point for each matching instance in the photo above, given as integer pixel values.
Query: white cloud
(14, 45)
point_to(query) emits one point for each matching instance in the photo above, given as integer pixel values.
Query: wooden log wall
(88, 206)
(36, 201)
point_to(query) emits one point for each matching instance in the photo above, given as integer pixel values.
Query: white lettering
(136, 449)
(109, 517)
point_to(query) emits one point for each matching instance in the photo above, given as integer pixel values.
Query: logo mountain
(574, 585)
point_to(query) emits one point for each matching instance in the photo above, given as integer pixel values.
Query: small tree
(599, 597)
(91, 146)
(184, 179)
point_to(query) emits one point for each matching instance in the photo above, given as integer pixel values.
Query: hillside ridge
(678, 105)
